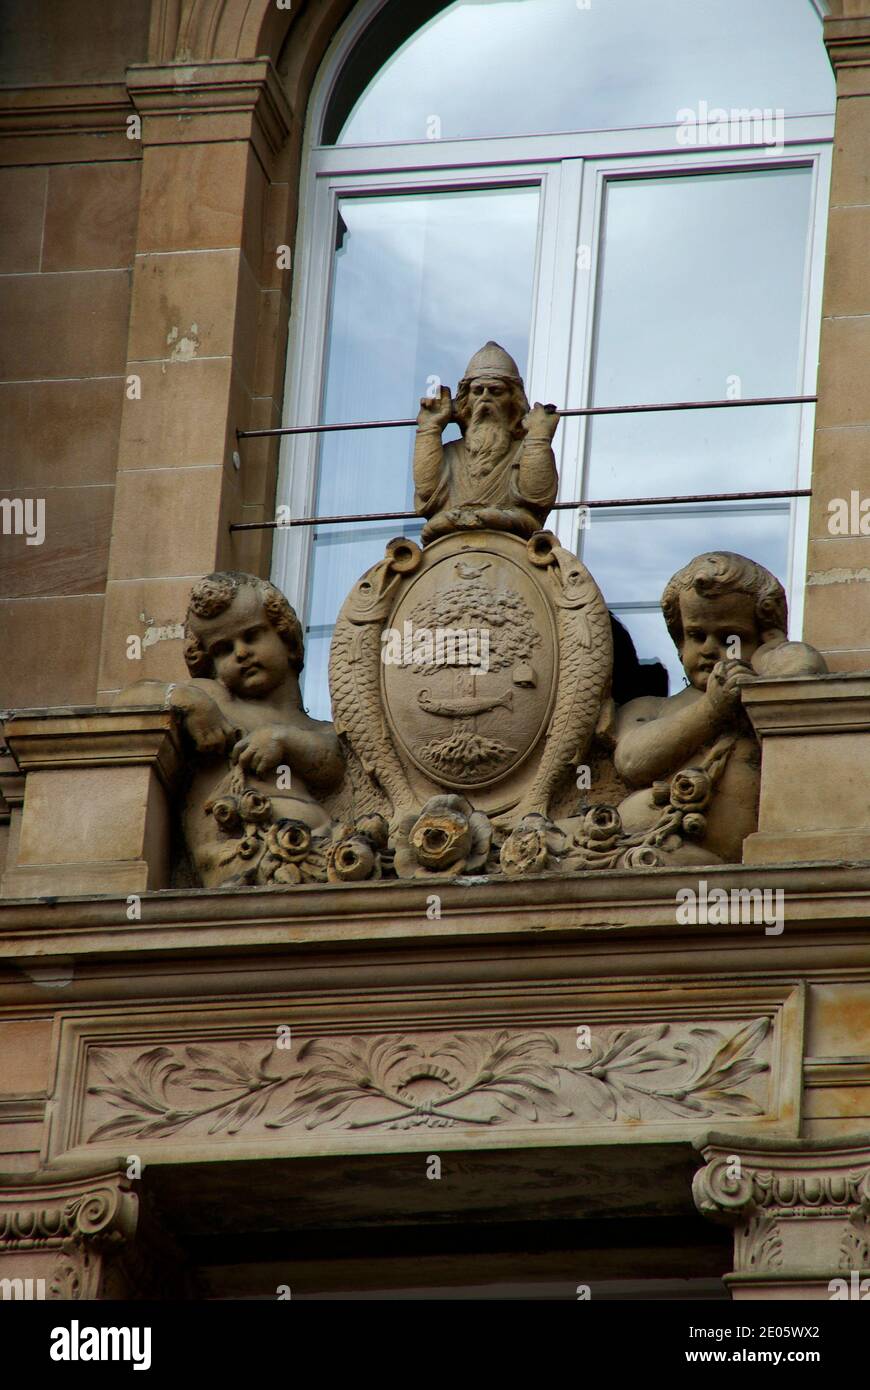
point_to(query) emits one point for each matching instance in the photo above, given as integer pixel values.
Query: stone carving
(801, 1214)
(101, 1211)
(758, 1243)
(501, 475)
(719, 1191)
(648, 1073)
(855, 1244)
(470, 678)
(448, 836)
(255, 754)
(87, 1226)
(425, 711)
(694, 754)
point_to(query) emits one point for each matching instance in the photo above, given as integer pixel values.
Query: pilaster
(205, 349)
(800, 1211)
(837, 612)
(81, 1233)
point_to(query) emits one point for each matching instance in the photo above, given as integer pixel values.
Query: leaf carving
(474, 1078)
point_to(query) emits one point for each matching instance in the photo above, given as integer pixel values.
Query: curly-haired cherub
(242, 706)
(728, 619)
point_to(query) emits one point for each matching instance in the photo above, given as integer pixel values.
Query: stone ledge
(827, 906)
(833, 703)
(93, 736)
(847, 40)
(72, 123)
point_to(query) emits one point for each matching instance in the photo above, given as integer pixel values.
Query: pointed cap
(492, 361)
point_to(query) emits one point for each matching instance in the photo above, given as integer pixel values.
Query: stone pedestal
(815, 756)
(800, 1211)
(96, 805)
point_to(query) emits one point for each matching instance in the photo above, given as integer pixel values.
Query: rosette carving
(447, 837)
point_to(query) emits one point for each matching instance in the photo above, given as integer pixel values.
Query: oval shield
(470, 661)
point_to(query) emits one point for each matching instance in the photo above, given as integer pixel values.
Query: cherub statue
(257, 757)
(502, 473)
(695, 753)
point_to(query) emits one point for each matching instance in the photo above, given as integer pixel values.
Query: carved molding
(800, 1214)
(65, 123)
(187, 30)
(57, 1212)
(85, 1223)
(242, 99)
(89, 1234)
(718, 1194)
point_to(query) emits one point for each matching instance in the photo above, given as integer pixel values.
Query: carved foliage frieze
(470, 1080)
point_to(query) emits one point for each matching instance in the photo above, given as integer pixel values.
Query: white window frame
(572, 171)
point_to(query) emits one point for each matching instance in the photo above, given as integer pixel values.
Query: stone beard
(488, 440)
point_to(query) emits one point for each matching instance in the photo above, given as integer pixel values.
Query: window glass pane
(701, 296)
(420, 282)
(515, 67)
(633, 554)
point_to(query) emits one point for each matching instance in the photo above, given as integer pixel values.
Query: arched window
(631, 198)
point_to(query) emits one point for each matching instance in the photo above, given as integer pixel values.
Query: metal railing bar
(588, 410)
(557, 506)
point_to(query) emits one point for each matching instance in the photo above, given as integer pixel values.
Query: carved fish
(465, 705)
(585, 669)
(354, 670)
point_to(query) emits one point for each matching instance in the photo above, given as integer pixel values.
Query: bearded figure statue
(501, 474)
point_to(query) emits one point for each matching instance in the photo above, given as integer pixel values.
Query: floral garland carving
(286, 852)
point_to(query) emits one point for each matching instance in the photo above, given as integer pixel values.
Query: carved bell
(524, 674)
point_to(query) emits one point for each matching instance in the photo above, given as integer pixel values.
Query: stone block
(90, 216)
(69, 325)
(96, 810)
(184, 305)
(60, 433)
(69, 628)
(815, 754)
(22, 207)
(184, 506)
(180, 416)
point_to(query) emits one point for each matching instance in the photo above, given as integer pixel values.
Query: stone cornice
(613, 916)
(69, 738)
(65, 124)
(836, 703)
(847, 40)
(184, 103)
